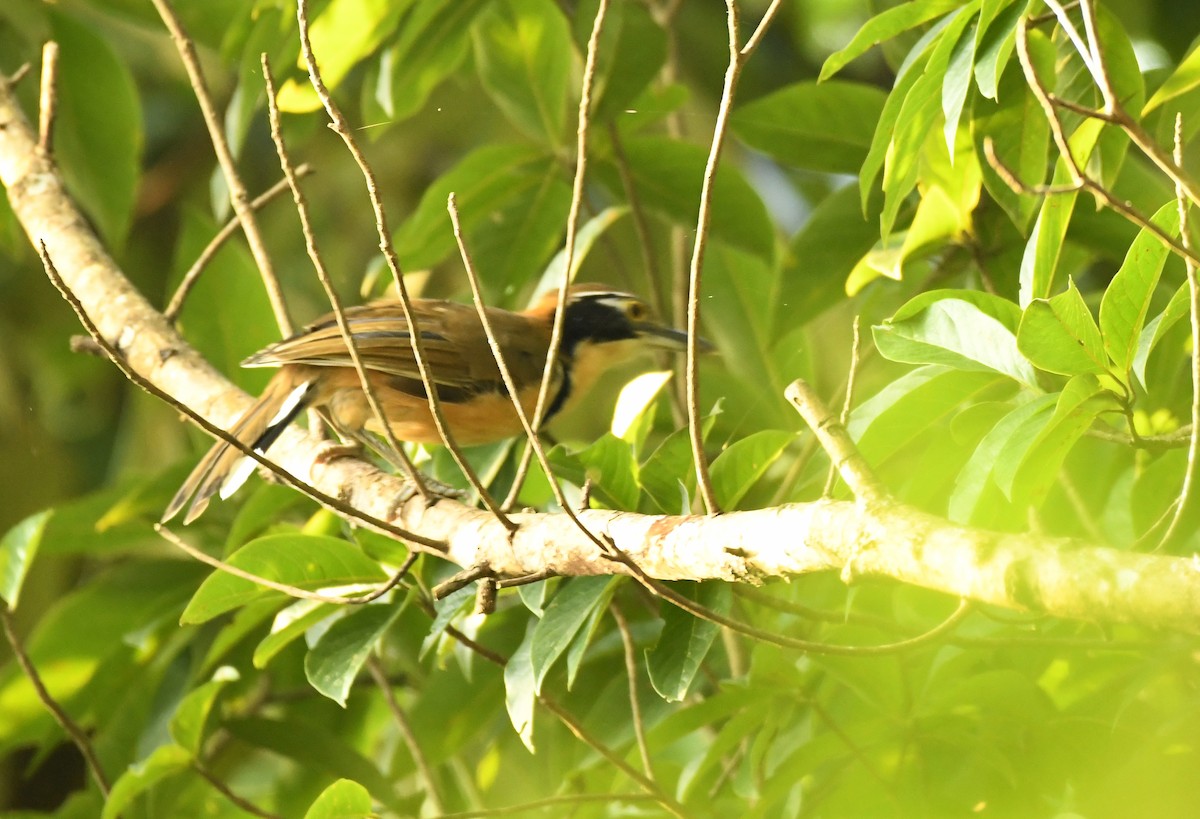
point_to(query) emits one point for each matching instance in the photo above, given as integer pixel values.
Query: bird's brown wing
(454, 343)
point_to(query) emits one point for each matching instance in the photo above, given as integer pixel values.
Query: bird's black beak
(668, 338)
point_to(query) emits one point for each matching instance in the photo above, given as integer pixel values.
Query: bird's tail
(225, 468)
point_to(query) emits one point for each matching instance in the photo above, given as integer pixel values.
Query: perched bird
(602, 327)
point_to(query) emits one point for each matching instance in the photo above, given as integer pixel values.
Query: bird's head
(602, 329)
(612, 322)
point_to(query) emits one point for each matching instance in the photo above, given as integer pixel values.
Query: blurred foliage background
(1018, 717)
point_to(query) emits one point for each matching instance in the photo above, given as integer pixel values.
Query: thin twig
(576, 728)
(22, 71)
(64, 720)
(406, 731)
(342, 127)
(851, 465)
(289, 590)
(631, 672)
(510, 383)
(335, 301)
(1184, 501)
(212, 429)
(223, 789)
(238, 196)
(551, 363)
(514, 491)
(48, 98)
(847, 403)
(218, 241)
(737, 59)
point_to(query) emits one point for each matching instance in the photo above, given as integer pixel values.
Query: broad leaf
(885, 26)
(1127, 298)
(571, 607)
(306, 561)
(685, 639)
(334, 662)
(1059, 335)
(956, 334)
(18, 548)
(735, 471)
(344, 799)
(523, 52)
(823, 127)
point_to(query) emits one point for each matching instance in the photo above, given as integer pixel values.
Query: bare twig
(509, 383)
(64, 720)
(340, 125)
(854, 469)
(576, 728)
(289, 590)
(556, 329)
(218, 241)
(217, 432)
(631, 672)
(1184, 502)
(48, 98)
(238, 196)
(406, 731)
(335, 301)
(847, 403)
(223, 789)
(737, 59)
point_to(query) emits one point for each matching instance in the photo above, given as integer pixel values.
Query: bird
(601, 327)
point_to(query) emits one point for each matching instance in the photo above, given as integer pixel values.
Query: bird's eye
(636, 311)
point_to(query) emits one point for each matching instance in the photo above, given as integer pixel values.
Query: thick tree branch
(1016, 571)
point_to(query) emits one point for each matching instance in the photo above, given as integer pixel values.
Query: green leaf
(342, 34)
(670, 467)
(344, 799)
(1059, 335)
(739, 466)
(583, 638)
(1078, 405)
(571, 607)
(668, 175)
(523, 53)
(973, 478)
(447, 608)
(912, 404)
(957, 83)
(166, 760)
(1127, 298)
(306, 561)
(585, 239)
(630, 54)
(921, 108)
(881, 140)
(1177, 308)
(609, 463)
(685, 639)
(98, 132)
(290, 623)
(17, 551)
(333, 663)
(1183, 78)
(520, 689)
(432, 41)
(1019, 131)
(995, 39)
(315, 748)
(823, 127)
(484, 182)
(821, 255)
(956, 334)
(187, 723)
(885, 26)
(993, 306)
(1040, 262)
